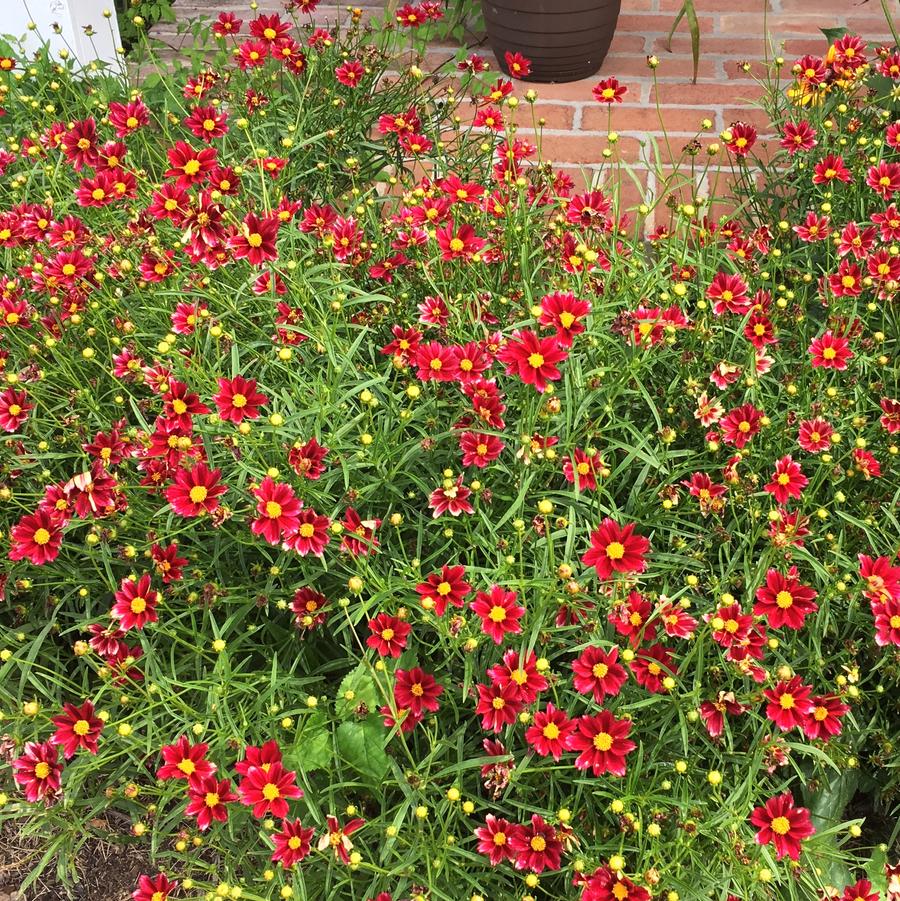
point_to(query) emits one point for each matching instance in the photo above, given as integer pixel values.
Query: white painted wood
(72, 17)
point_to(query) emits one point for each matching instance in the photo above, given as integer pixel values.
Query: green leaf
(361, 687)
(313, 750)
(362, 746)
(832, 34)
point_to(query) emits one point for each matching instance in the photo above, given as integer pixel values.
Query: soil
(104, 870)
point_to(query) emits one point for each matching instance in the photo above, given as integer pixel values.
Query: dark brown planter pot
(564, 39)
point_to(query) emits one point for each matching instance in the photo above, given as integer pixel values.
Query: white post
(71, 17)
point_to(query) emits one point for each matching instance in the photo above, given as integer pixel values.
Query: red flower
(36, 537)
(730, 625)
(309, 607)
(292, 843)
(226, 24)
(416, 691)
(498, 705)
(435, 362)
(255, 239)
(453, 500)
(616, 549)
(238, 399)
(740, 425)
(519, 670)
(277, 510)
(359, 534)
(389, 634)
(14, 409)
(783, 825)
(312, 534)
(76, 728)
(551, 732)
(267, 791)
(784, 601)
(829, 169)
(603, 742)
(887, 622)
(38, 771)
(195, 491)
(830, 351)
(126, 118)
(493, 839)
(609, 91)
(884, 179)
(207, 123)
(824, 721)
(517, 65)
(532, 358)
(537, 847)
(789, 703)
(728, 292)
(713, 712)
(499, 612)
(207, 800)
(598, 672)
(260, 758)
(652, 666)
(708, 494)
(135, 603)
(861, 891)
(183, 760)
(350, 73)
(156, 888)
(743, 137)
(814, 435)
(337, 837)
(479, 449)
(798, 136)
(882, 579)
(787, 480)
(307, 459)
(181, 404)
(189, 166)
(446, 587)
(461, 243)
(582, 468)
(564, 312)
(605, 884)
(847, 281)
(79, 144)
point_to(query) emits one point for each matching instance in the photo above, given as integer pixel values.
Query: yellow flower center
(198, 494)
(387, 634)
(417, 690)
(273, 509)
(536, 361)
(294, 843)
(42, 770)
(211, 799)
(307, 530)
(551, 731)
(81, 727)
(456, 245)
(615, 550)
(786, 702)
(784, 599)
(191, 167)
(603, 741)
(599, 670)
(567, 319)
(138, 605)
(187, 766)
(497, 614)
(270, 791)
(41, 537)
(179, 406)
(239, 401)
(829, 353)
(781, 825)
(538, 843)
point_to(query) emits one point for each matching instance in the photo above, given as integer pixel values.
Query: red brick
(831, 8)
(703, 95)
(641, 119)
(625, 66)
(572, 148)
(556, 115)
(749, 114)
(777, 25)
(714, 7)
(627, 42)
(869, 23)
(734, 46)
(573, 90)
(658, 24)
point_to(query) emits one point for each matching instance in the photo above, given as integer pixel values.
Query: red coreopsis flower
(741, 138)
(784, 601)
(550, 733)
(798, 136)
(713, 712)
(135, 604)
(598, 672)
(882, 578)
(307, 460)
(787, 480)
(887, 622)
(277, 510)
(453, 499)
(730, 625)
(814, 228)
(225, 24)
(389, 635)
(359, 534)
(493, 839)
(479, 449)
(338, 837)
(830, 351)
(616, 549)
(255, 239)
(446, 587)
(309, 608)
(260, 758)
(884, 179)
(729, 294)
(126, 118)
(458, 243)
(208, 798)
(292, 843)
(238, 399)
(824, 722)
(606, 884)
(814, 435)
(603, 742)
(167, 562)
(350, 73)
(652, 666)
(14, 409)
(499, 612)
(207, 123)
(847, 281)
(416, 691)
(830, 169)
(789, 703)
(866, 463)
(519, 670)
(710, 496)
(76, 728)
(189, 166)
(537, 846)
(532, 358)
(782, 824)
(79, 144)
(517, 65)
(38, 771)
(195, 491)
(268, 791)
(181, 404)
(435, 362)
(183, 760)
(498, 705)
(609, 91)
(582, 469)
(154, 888)
(861, 891)
(36, 537)
(312, 535)
(564, 312)
(740, 425)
